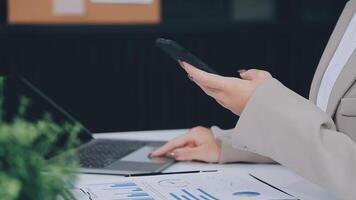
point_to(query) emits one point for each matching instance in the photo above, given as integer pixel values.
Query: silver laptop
(99, 156)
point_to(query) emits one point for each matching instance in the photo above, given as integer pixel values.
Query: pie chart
(246, 194)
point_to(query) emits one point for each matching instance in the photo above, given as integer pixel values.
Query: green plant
(25, 171)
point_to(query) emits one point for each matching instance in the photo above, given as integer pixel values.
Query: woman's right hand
(198, 144)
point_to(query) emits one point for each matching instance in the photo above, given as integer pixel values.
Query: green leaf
(25, 171)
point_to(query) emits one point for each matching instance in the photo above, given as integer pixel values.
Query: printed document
(200, 186)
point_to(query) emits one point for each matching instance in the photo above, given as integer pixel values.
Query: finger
(240, 71)
(171, 145)
(204, 78)
(187, 153)
(181, 63)
(214, 93)
(221, 103)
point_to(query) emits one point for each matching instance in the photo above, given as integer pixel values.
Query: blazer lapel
(345, 80)
(331, 48)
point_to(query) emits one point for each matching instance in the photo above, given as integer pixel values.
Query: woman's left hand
(230, 92)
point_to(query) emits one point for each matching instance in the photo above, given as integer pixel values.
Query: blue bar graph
(175, 196)
(185, 197)
(198, 194)
(128, 184)
(190, 194)
(203, 197)
(142, 194)
(126, 190)
(207, 194)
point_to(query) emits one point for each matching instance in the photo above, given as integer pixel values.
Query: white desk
(276, 175)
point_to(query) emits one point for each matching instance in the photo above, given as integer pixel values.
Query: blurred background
(109, 75)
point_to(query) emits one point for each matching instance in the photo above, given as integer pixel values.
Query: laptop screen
(40, 103)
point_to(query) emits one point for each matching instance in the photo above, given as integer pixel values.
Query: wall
(113, 78)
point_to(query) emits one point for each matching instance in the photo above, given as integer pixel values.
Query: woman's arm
(230, 154)
(282, 125)
(288, 128)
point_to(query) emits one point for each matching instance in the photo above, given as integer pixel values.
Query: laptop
(98, 156)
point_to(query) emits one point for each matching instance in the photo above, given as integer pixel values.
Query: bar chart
(201, 186)
(129, 191)
(198, 194)
(121, 191)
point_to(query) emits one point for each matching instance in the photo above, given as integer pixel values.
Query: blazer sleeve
(291, 130)
(230, 154)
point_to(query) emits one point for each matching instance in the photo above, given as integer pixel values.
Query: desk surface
(276, 175)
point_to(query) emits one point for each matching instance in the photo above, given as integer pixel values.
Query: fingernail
(180, 63)
(190, 77)
(149, 155)
(241, 71)
(171, 154)
(184, 64)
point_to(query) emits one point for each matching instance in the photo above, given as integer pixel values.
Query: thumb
(249, 74)
(187, 153)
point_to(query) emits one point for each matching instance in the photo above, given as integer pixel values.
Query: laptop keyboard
(101, 153)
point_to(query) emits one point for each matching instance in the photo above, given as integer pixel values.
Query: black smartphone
(177, 52)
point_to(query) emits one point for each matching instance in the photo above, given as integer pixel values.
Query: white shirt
(337, 63)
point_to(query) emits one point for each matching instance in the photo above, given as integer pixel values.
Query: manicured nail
(241, 71)
(190, 77)
(149, 155)
(180, 63)
(171, 154)
(184, 64)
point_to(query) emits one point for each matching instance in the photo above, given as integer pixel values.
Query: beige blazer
(289, 129)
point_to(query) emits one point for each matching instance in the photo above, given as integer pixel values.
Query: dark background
(112, 78)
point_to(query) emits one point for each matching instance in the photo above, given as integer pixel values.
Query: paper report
(200, 186)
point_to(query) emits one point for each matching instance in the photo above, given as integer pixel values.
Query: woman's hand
(198, 144)
(230, 92)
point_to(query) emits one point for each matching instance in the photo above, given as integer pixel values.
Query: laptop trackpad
(139, 161)
(141, 155)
